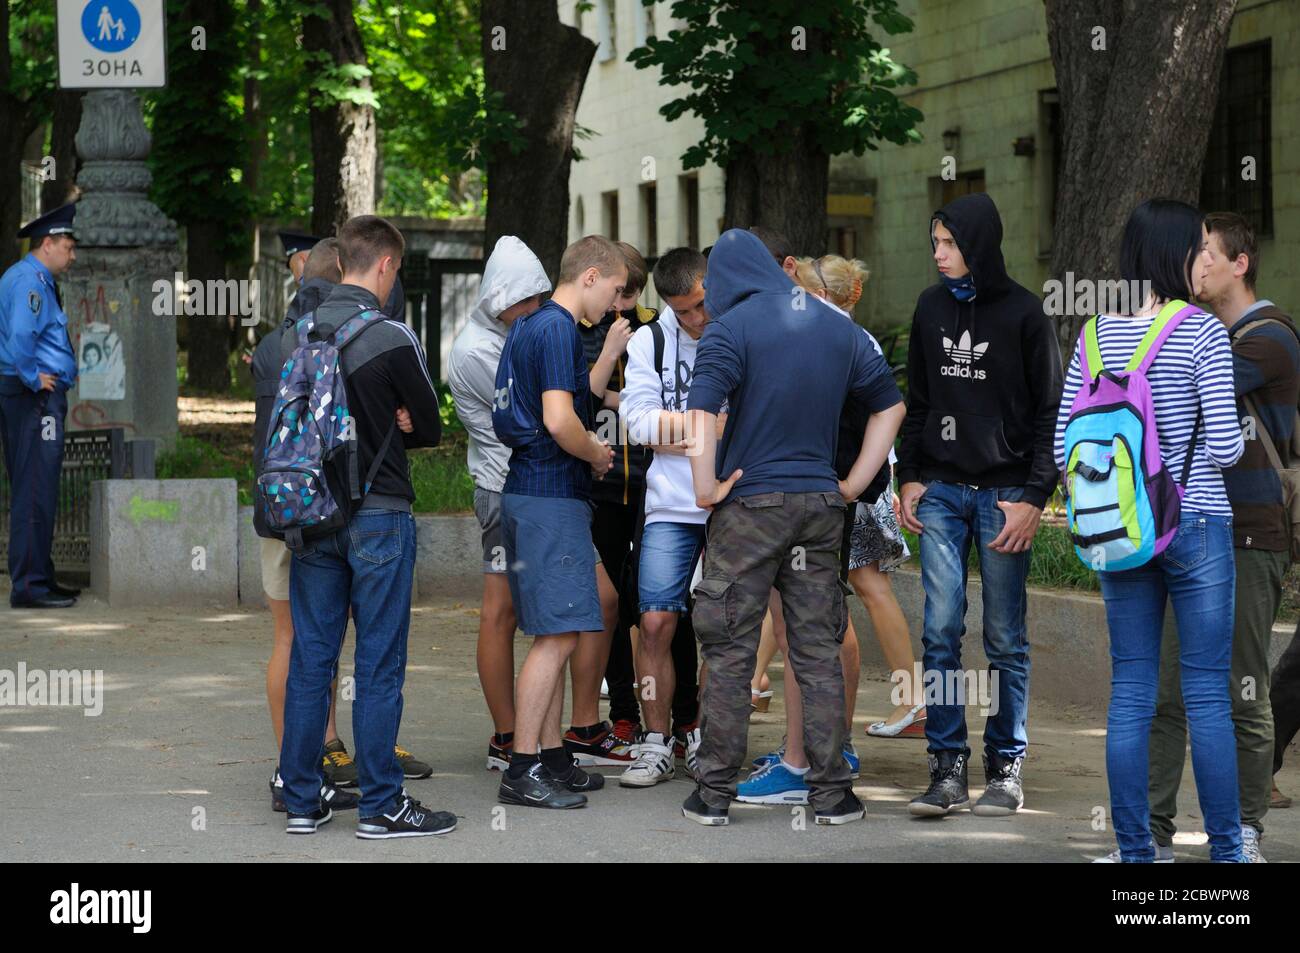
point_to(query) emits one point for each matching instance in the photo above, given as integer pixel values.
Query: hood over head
(975, 224)
(512, 273)
(740, 266)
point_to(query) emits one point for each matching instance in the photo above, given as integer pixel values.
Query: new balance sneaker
(575, 779)
(851, 756)
(308, 823)
(847, 810)
(654, 763)
(338, 765)
(412, 767)
(607, 748)
(775, 784)
(1164, 855)
(627, 731)
(537, 787)
(1250, 839)
(498, 758)
(409, 818)
(948, 790)
(1003, 793)
(330, 794)
(696, 810)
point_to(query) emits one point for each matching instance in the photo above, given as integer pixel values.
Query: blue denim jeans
(955, 517)
(669, 552)
(367, 567)
(1197, 574)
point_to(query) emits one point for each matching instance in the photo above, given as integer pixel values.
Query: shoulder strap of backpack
(351, 329)
(658, 334)
(1090, 362)
(1165, 323)
(357, 491)
(1270, 448)
(1295, 430)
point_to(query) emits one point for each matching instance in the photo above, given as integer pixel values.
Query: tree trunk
(207, 336)
(342, 132)
(18, 119)
(1135, 119)
(67, 119)
(785, 191)
(540, 73)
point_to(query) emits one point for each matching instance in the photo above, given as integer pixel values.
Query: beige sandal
(760, 701)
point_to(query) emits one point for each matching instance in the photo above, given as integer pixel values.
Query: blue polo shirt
(33, 328)
(548, 355)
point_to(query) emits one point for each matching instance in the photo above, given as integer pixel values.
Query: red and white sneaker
(607, 748)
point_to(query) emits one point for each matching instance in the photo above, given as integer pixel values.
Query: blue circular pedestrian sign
(110, 26)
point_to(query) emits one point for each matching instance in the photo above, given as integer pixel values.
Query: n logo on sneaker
(964, 355)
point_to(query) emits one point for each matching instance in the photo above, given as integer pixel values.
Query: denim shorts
(668, 555)
(551, 564)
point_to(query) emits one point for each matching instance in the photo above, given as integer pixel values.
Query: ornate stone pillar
(126, 350)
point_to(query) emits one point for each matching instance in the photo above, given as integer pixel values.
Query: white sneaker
(654, 762)
(604, 689)
(692, 751)
(1164, 855)
(1250, 845)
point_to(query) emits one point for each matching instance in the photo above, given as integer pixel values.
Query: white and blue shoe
(775, 784)
(851, 756)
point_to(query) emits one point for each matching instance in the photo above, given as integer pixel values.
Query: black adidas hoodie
(984, 375)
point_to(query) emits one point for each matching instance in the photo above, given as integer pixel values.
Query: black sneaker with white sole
(576, 779)
(537, 787)
(409, 818)
(845, 811)
(1004, 794)
(701, 813)
(330, 794)
(948, 790)
(308, 823)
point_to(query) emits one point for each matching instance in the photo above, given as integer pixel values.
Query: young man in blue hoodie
(777, 520)
(975, 467)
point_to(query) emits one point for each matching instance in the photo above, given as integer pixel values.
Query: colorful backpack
(309, 486)
(1122, 504)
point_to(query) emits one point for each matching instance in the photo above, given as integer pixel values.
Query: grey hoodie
(512, 273)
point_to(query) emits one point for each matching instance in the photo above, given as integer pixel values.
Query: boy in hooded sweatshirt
(514, 283)
(975, 467)
(778, 518)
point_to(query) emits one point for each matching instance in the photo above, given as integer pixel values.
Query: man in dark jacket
(975, 467)
(777, 519)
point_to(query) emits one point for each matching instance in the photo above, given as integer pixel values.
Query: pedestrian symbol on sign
(110, 26)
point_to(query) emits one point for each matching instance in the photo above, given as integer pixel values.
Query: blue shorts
(551, 564)
(669, 552)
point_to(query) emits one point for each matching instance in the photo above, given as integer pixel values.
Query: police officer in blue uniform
(37, 367)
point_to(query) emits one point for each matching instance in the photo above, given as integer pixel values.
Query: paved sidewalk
(184, 727)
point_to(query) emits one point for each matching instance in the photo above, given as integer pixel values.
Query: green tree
(27, 82)
(198, 152)
(781, 87)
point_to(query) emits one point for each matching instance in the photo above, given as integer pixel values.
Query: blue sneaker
(851, 756)
(773, 785)
(769, 759)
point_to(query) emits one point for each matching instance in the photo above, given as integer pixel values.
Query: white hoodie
(670, 492)
(512, 273)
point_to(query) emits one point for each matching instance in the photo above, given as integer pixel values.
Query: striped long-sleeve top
(1192, 370)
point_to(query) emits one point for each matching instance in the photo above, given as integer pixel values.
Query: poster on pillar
(112, 44)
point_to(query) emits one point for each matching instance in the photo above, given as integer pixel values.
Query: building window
(609, 211)
(943, 191)
(580, 217)
(1242, 132)
(688, 190)
(1047, 167)
(606, 31)
(645, 22)
(650, 216)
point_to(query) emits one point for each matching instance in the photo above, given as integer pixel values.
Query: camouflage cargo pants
(790, 541)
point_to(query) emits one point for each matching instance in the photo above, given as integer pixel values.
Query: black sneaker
(575, 779)
(847, 810)
(338, 765)
(701, 813)
(330, 795)
(307, 823)
(412, 767)
(409, 819)
(536, 787)
(947, 791)
(1004, 794)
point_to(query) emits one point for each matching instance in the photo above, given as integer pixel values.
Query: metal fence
(88, 455)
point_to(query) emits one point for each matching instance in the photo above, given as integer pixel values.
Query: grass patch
(196, 459)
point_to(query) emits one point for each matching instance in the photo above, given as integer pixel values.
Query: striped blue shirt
(548, 355)
(1192, 370)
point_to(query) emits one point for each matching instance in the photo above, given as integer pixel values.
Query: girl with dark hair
(1191, 380)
